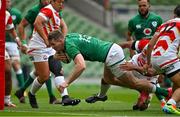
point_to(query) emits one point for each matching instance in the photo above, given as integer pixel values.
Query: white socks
(19, 71)
(154, 88)
(171, 101)
(58, 81)
(35, 86)
(7, 99)
(32, 75)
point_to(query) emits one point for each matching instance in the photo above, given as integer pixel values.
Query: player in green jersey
(80, 47)
(9, 27)
(144, 24)
(11, 46)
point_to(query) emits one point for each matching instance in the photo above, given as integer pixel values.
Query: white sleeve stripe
(44, 16)
(136, 45)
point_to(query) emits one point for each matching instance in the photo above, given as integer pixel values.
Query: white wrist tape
(17, 39)
(59, 80)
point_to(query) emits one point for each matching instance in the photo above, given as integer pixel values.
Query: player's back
(168, 39)
(166, 48)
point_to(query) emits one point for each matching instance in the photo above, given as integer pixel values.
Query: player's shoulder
(7, 13)
(48, 7)
(134, 18)
(15, 11)
(155, 15)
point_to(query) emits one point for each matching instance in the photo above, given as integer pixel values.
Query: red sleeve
(47, 12)
(10, 21)
(142, 43)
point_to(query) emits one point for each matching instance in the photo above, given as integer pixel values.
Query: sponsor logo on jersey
(138, 26)
(154, 23)
(147, 31)
(14, 17)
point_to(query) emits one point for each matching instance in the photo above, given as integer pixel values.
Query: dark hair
(147, 1)
(177, 11)
(55, 35)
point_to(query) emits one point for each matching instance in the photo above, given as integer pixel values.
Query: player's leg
(55, 67)
(52, 98)
(114, 59)
(13, 52)
(42, 69)
(101, 96)
(20, 92)
(170, 106)
(18, 71)
(8, 82)
(160, 97)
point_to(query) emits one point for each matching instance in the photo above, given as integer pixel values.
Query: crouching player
(162, 54)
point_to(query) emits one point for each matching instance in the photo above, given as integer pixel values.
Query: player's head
(56, 40)
(177, 11)
(58, 4)
(44, 2)
(8, 4)
(143, 7)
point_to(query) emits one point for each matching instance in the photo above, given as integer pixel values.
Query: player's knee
(55, 66)
(103, 81)
(44, 76)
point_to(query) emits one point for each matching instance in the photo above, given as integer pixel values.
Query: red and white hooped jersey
(141, 44)
(8, 21)
(166, 49)
(52, 22)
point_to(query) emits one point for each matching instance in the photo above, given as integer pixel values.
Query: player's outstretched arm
(150, 48)
(78, 69)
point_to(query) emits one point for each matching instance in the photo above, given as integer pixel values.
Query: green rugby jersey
(16, 16)
(91, 48)
(143, 27)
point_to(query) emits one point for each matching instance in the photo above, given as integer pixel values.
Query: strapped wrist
(17, 39)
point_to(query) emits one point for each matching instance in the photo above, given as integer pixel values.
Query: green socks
(49, 87)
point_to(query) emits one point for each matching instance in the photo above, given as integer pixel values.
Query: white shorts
(168, 69)
(40, 55)
(6, 55)
(114, 58)
(12, 50)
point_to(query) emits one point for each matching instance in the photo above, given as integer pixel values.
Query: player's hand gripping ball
(62, 56)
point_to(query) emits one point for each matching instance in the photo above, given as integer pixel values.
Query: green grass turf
(119, 103)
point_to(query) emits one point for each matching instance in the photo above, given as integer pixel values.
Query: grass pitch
(119, 103)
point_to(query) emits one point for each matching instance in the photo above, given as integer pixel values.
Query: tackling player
(82, 47)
